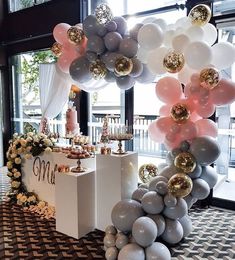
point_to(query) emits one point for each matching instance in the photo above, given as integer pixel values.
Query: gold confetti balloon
(56, 49)
(103, 14)
(200, 14)
(180, 113)
(173, 61)
(180, 185)
(75, 35)
(185, 161)
(147, 172)
(98, 69)
(123, 66)
(209, 78)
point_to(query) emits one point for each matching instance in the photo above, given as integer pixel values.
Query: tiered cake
(72, 126)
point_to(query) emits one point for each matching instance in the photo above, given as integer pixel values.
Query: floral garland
(25, 147)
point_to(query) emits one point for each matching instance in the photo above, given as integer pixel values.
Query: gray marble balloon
(161, 188)
(111, 253)
(112, 41)
(110, 77)
(121, 24)
(124, 214)
(95, 44)
(157, 251)
(168, 172)
(125, 82)
(138, 194)
(135, 30)
(79, 70)
(146, 76)
(177, 211)
(144, 231)
(186, 224)
(111, 26)
(159, 221)
(128, 47)
(109, 59)
(121, 241)
(90, 25)
(170, 200)
(209, 175)
(200, 189)
(155, 180)
(110, 230)
(131, 252)
(173, 232)
(196, 172)
(205, 149)
(137, 68)
(190, 200)
(152, 202)
(109, 240)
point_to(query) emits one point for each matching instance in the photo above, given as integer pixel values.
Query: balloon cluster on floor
(158, 209)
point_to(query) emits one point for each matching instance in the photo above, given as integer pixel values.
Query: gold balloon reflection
(173, 61)
(56, 49)
(185, 162)
(180, 112)
(75, 35)
(123, 66)
(180, 185)
(147, 172)
(209, 78)
(200, 15)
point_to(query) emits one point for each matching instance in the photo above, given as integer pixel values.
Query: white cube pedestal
(116, 179)
(75, 203)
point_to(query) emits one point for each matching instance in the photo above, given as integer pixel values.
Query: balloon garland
(106, 52)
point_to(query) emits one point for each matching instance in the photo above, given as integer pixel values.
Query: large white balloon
(223, 55)
(210, 33)
(168, 36)
(198, 55)
(195, 33)
(142, 55)
(150, 36)
(155, 60)
(180, 42)
(183, 22)
(162, 23)
(185, 74)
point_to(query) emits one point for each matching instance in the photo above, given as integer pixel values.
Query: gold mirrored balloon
(180, 185)
(173, 61)
(180, 113)
(185, 161)
(209, 78)
(98, 69)
(147, 172)
(56, 49)
(200, 14)
(123, 66)
(75, 35)
(103, 14)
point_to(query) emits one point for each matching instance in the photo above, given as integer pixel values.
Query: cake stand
(120, 138)
(79, 167)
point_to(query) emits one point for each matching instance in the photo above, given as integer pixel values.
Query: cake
(71, 126)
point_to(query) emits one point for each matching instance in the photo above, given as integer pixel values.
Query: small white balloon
(162, 23)
(169, 35)
(210, 33)
(180, 42)
(198, 54)
(183, 22)
(185, 74)
(148, 20)
(155, 60)
(111, 253)
(142, 55)
(223, 55)
(195, 33)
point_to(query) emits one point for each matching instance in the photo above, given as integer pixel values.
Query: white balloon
(185, 74)
(150, 36)
(183, 22)
(148, 20)
(180, 42)
(198, 54)
(168, 38)
(223, 55)
(155, 60)
(161, 22)
(195, 33)
(170, 26)
(142, 55)
(179, 30)
(210, 33)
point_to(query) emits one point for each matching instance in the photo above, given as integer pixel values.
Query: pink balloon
(168, 90)
(66, 59)
(187, 92)
(188, 131)
(164, 124)
(194, 117)
(60, 32)
(170, 145)
(205, 110)
(154, 133)
(224, 93)
(206, 127)
(165, 110)
(195, 78)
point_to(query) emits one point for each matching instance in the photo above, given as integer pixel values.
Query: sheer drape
(54, 87)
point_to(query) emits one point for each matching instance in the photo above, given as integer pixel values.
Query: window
(1, 126)
(16, 5)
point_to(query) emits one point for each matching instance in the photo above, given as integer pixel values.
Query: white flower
(18, 160)
(29, 139)
(20, 150)
(28, 156)
(17, 174)
(9, 174)
(15, 184)
(47, 142)
(31, 198)
(35, 139)
(53, 140)
(28, 149)
(13, 155)
(23, 142)
(19, 203)
(41, 135)
(23, 199)
(15, 135)
(14, 170)
(30, 134)
(41, 204)
(48, 150)
(19, 196)
(9, 165)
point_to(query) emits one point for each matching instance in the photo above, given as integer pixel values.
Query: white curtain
(54, 87)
